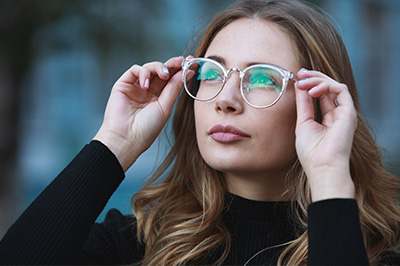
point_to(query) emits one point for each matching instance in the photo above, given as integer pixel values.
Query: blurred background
(60, 58)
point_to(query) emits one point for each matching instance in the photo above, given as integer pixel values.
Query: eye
(262, 78)
(207, 72)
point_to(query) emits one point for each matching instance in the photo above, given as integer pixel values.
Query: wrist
(330, 185)
(120, 147)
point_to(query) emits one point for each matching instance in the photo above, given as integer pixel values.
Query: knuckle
(152, 65)
(354, 118)
(343, 86)
(353, 114)
(135, 67)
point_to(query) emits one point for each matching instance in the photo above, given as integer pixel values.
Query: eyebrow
(222, 61)
(217, 58)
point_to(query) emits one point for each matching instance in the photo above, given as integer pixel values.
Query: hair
(179, 208)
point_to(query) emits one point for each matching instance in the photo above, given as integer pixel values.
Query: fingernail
(302, 80)
(304, 70)
(189, 75)
(165, 70)
(146, 83)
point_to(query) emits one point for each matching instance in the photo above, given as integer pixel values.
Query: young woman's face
(265, 145)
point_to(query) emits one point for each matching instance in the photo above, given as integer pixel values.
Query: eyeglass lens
(261, 86)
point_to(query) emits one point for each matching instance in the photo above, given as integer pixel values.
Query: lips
(227, 133)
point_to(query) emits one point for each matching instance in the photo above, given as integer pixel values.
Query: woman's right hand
(140, 103)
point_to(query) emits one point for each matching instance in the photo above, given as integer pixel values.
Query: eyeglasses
(261, 85)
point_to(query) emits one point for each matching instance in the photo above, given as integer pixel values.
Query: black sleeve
(113, 242)
(56, 225)
(334, 233)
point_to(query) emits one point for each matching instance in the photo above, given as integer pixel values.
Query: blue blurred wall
(65, 91)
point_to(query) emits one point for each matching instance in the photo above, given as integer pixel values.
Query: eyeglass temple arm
(293, 76)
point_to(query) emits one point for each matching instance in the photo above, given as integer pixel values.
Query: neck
(258, 186)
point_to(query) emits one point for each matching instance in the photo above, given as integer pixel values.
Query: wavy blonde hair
(179, 209)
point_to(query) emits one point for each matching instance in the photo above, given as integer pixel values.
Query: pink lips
(227, 134)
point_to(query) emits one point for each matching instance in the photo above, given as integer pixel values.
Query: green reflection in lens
(209, 72)
(260, 78)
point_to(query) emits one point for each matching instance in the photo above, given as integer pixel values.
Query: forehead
(254, 40)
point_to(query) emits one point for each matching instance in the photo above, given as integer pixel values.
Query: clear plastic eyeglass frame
(285, 74)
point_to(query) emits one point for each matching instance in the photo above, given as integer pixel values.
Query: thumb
(170, 93)
(305, 106)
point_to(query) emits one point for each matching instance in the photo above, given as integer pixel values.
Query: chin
(250, 165)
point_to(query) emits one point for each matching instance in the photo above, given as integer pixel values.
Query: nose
(229, 99)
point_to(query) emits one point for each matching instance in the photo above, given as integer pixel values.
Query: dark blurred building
(77, 56)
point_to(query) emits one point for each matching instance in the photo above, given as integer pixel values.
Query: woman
(268, 166)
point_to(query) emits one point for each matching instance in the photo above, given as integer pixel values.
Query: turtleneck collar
(258, 210)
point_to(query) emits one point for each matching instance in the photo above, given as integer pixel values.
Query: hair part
(179, 209)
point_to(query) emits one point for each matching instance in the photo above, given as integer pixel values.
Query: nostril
(225, 108)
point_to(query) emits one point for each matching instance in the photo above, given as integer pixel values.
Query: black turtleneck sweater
(255, 226)
(59, 227)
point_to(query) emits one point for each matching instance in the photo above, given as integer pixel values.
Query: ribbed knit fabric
(255, 226)
(59, 227)
(344, 214)
(48, 231)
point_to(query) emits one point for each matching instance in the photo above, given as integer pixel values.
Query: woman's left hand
(324, 149)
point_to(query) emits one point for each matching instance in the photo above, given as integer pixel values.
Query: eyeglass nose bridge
(233, 69)
(227, 76)
(228, 72)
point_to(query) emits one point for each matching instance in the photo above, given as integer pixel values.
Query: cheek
(288, 114)
(277, 139)
(199, 118)
(207, 148)
(288, 121)
(278, 129)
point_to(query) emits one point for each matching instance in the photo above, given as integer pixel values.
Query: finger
(170, 93)
(326, 103)
(309, 79)
(304, 105)
(318, 83)
(131, 75)
(328, 91)
(153, 75)
(329, 94)
(157, 69)
(174, 64)
(305, 73)
(144, 78)
(143, 74)
(313, 84)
